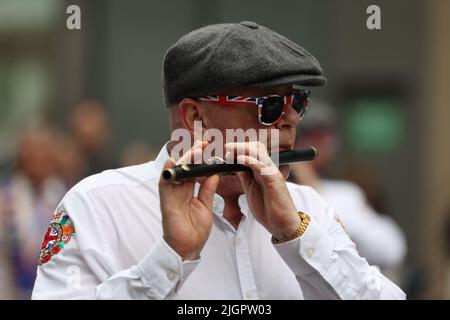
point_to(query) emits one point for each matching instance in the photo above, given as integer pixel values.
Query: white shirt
(117, 250)
(378, 238)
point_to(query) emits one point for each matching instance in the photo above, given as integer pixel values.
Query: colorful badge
(59, 233)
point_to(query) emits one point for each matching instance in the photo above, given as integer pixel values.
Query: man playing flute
(129, 234)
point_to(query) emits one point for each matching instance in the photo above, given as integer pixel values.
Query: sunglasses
(270, 108)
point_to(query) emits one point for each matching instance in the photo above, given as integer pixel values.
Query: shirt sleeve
(377, 236)
(85, 267)
(327, 265)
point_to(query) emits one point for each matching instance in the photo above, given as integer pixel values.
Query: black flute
(188, 171)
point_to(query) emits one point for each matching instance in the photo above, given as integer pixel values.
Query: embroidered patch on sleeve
(59, 233)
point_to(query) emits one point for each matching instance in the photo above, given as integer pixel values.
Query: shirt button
(310, 252)
(238, 240)
(171, 275)
(248, 295)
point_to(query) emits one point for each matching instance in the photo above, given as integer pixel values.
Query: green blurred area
(374, 125)
(17, 16)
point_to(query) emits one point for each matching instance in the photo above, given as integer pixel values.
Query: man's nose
(289, 119)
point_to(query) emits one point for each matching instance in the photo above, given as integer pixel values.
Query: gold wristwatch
(301, 229)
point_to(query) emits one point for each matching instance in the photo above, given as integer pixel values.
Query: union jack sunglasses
(270, 108)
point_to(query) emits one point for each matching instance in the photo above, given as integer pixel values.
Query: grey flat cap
(230, 55)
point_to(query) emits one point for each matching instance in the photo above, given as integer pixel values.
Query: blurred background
(76, 102)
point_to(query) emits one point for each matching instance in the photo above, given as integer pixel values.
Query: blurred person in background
(446, 246)
(6, 283)
(27, 199)
(71, 162)
(90, 131)
(136, 153)
(377, 236)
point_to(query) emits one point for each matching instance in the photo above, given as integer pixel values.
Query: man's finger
(194, 154)
(253, 149)
(207, 190)
(251, 162)
(258, 167)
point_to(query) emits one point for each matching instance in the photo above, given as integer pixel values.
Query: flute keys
(215, 160)
(185, 167)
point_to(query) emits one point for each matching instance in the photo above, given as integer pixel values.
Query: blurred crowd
(47, 162)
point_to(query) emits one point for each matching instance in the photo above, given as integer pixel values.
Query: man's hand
(187, 220)
(265, 188)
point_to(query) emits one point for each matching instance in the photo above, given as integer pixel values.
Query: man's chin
(232, 185)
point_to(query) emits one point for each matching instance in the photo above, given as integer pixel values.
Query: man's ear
(189, 111)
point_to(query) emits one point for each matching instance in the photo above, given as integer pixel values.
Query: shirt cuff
(163, 270)
(311, 252)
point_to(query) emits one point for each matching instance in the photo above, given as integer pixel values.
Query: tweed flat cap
(231, 55)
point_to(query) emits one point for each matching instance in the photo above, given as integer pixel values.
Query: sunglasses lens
(272, 109)
(300, 103)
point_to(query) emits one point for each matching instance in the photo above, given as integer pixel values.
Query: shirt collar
(162, 157)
